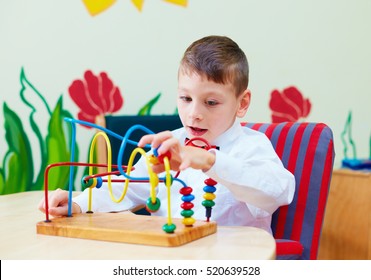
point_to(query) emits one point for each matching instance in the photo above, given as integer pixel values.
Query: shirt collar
(229, 135)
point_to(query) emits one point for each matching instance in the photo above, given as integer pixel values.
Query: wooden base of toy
(125, 227)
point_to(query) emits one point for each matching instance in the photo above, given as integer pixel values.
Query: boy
(212, 94)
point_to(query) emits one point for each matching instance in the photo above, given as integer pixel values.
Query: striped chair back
(307, 151)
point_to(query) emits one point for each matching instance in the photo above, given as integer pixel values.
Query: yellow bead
(209, 196)
(188, 221)
(154, 160)
(94, 184)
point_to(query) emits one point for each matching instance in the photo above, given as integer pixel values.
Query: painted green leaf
(58, 147)
(40, 110)
(95, 170)
(146, 109)
(347, 139)
(2, 180)
(17, 171)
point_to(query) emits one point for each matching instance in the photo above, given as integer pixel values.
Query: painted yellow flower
(95, 7)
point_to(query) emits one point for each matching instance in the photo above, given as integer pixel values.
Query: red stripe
(304, 183)
(322, 200)
(289, 248)
(282, 139)
(282, 214)
(296, 143)
(270, 130)
(257, 126)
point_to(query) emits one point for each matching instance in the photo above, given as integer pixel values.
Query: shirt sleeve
(254, 174)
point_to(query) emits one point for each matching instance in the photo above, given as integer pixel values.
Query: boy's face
(207, 109)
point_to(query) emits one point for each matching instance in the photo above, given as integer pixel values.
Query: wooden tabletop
(19, 240)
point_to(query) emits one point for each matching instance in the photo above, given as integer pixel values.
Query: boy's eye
(185, 98)
(211, 102)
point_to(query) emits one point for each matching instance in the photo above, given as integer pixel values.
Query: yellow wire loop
(168, 183)
(153, 177)
(91, 160)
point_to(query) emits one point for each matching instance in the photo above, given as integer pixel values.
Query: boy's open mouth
(197, 131)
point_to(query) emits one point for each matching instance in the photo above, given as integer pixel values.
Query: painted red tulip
(288, 105)
(95, 95)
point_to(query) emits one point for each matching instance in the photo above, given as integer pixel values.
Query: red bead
(187, 205)
(161, 157)
(210, 182)
(186, 190)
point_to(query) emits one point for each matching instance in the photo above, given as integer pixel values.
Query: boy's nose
(195, 112)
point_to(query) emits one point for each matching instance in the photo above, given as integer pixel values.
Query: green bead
(169, 228)
(153, 207)
(208, 203)
(187, 213)
(86, 183)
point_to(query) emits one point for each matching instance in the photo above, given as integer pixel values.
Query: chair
(306, 150)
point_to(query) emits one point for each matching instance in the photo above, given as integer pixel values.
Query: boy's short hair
(218, 58)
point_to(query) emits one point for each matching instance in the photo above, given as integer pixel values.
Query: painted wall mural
(18, 173)
(96, 7)
(95, 95)
(289, 105)
(350, 158)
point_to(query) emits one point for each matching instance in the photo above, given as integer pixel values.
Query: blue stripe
(301, 158)
(315, 186)
(285, 160)
(276, 133)
(288, 144)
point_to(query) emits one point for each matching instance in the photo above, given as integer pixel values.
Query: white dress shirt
(252, 183)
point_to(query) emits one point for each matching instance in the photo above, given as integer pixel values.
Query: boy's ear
(244, 103)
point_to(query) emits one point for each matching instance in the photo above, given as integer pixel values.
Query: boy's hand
(182, 156)
(58, 204)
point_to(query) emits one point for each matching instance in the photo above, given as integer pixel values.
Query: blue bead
(209, 189)
(155, 152)
(99, 182)
(188, 198)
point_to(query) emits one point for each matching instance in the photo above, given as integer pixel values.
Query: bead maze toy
(125, 226)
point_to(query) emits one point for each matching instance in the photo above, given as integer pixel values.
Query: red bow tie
(207, 146)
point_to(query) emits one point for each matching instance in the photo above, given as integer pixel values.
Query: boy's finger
(146, 139)
(158, 168)
(41, 205)
(160, 138)
(185, 164)
(58, 211)
(59, 198)
(167, 145)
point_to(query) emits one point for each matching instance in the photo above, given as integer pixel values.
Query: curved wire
(91, 159)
